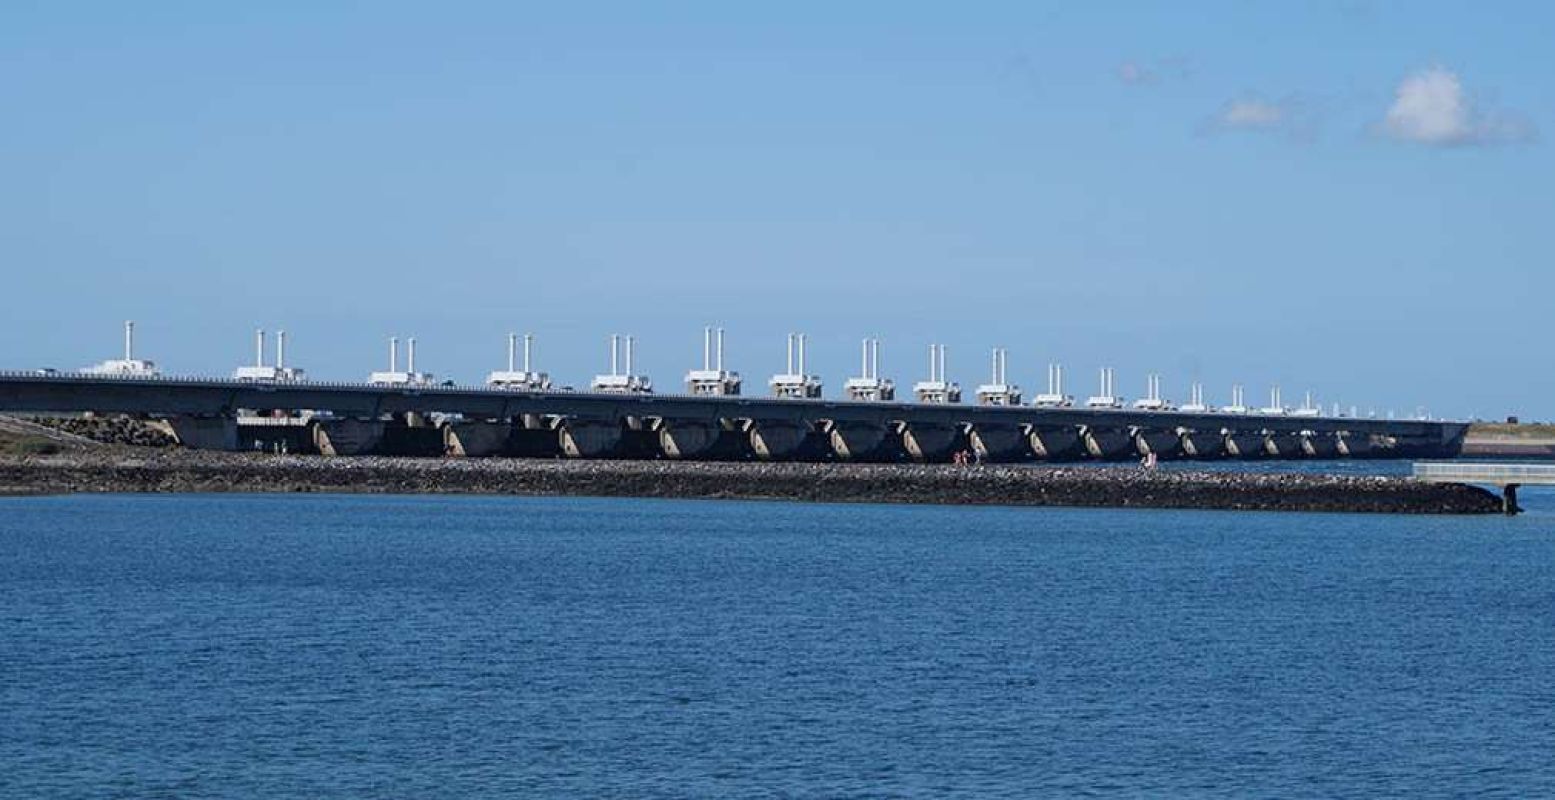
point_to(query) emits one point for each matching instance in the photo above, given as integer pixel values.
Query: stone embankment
(191, 471)
(111, 430)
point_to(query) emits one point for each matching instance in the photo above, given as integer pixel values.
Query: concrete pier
(1282, 444)
(476, 439)
(1160, 442)
(1203, 443)
(687, 439)
(1319, 445)
(588, 438)
(1108, 443)
(776, 440)
(999, 443)
(930, 442)
(1245, 444)
(1353, 445)
(200, 433)
(1055, 442)
(347, 437)
(856, 441)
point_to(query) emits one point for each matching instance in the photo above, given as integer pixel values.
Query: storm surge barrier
(435, 419)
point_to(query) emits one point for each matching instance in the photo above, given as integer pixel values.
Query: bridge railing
(1498, 474)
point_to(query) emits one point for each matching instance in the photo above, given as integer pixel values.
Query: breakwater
(120, 470)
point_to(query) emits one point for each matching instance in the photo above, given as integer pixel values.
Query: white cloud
(1252, 114)
(1293, 117)
(1430, 107)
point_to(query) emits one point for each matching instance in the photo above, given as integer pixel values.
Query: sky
(1351, 198)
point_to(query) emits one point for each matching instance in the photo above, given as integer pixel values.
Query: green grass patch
(1506, 430)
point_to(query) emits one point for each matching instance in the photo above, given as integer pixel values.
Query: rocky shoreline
(124, 470)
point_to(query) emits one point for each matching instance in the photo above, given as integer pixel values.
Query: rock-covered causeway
(174, 470)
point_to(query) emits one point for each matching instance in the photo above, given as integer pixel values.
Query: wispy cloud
(1431, 107)
(1293, 117)
(1144, 73)
(1253, 113)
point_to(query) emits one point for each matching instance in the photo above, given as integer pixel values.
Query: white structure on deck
(127, 367)
(1275, 408)
(1238, 402)
(1152, 400)
(712, 378)
(799, 385)
(1308, 408)
(617, 381)
(1105, 398)
(937, 389)
(279, 373)
(1196, 404)
(525, 379)
(1054, 397)
(869, 386)
(394, 377)
(998, 391)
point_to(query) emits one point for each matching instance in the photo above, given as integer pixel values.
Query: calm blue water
(242, 646)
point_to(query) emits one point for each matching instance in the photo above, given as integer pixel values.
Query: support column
(1509, 499)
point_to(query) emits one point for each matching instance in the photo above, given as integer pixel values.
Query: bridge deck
(1493, 474)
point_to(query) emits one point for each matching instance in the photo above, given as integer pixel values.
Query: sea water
(302, 646)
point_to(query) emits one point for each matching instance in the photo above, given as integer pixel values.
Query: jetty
(1507, 476)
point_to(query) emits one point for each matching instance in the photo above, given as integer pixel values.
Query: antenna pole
(394, 354)
(528, 340)
(280, 349)
(129, 340)
(259, 347)
(410, 356)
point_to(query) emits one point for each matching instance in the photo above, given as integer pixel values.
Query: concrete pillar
(689, 439)
(347, 437)
(200, 433)
(1319, 445)
(476, 439)
(776, 440)
(1203, 444)
(1110, 444)
(998, 442)
(1163, 442)
(1509, 499)
(1353, 445)
(1245, 444)
(1056, 442)
(1283, 444)
(585, 438)
(856, 441)
(929, 442)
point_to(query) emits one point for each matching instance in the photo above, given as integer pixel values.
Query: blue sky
(1346, 197)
